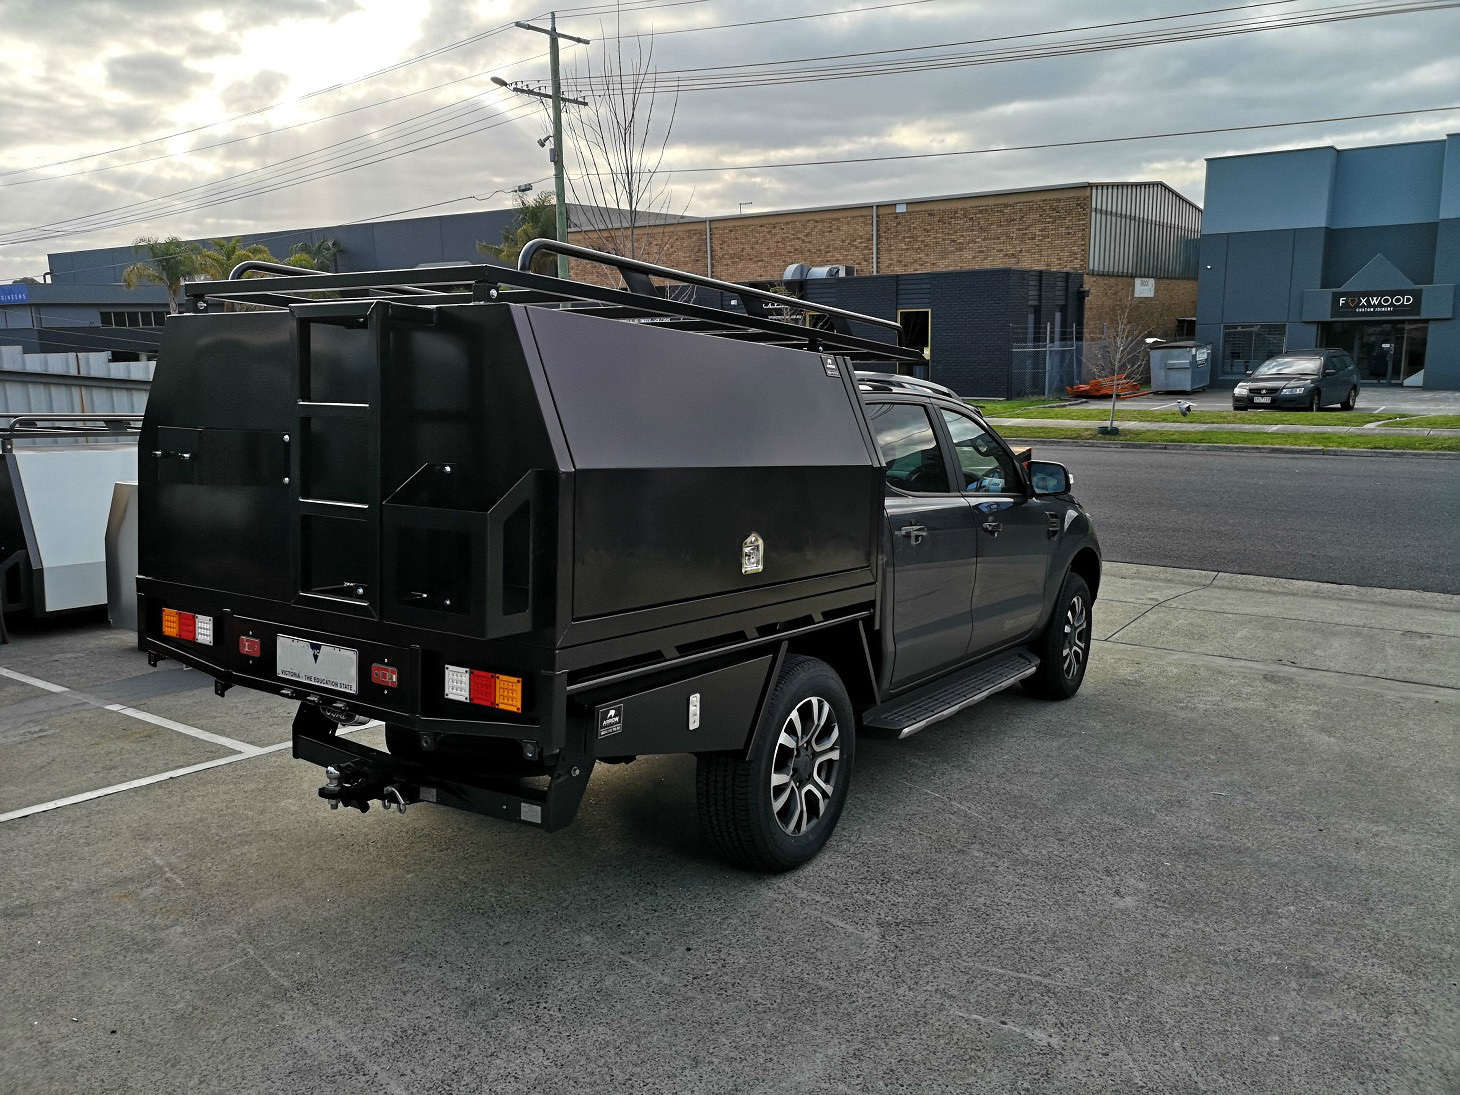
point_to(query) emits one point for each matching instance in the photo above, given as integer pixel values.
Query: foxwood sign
(1385, 302)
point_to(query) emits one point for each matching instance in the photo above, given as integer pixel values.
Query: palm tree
(323, 255)
(218, 260)
(167, 263)
(536, 219)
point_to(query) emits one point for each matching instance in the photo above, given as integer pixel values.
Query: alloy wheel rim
(805, 766)
(1076, 645)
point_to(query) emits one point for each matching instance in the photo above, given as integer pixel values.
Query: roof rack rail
(888, 382)
(640, 302)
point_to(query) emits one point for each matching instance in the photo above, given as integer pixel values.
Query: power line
(1054, 144)
(777, 73)
(180, 201)
(403, 96)
(641, 5)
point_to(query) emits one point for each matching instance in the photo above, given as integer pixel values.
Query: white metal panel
(67, 494)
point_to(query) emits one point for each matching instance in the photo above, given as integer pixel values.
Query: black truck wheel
(775, 810)
(1064, 645)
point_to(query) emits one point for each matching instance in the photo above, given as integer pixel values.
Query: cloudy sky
(122, 118)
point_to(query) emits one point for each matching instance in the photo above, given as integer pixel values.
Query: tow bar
(356, 784)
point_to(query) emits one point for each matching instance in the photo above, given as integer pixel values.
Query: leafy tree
(536, 219)
(168, 261)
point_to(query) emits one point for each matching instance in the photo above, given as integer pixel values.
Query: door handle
(915, 533)
(993, 528)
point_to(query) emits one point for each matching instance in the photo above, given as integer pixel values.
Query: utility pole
(557, 100)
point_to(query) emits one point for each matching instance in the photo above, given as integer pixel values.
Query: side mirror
(1048, 477)
(1247, 373)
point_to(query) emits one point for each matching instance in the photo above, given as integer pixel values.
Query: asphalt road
(1386, 521)
(1227, 865)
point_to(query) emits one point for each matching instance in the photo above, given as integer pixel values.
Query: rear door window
(910, 449)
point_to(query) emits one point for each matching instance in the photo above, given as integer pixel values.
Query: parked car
(1300, 380)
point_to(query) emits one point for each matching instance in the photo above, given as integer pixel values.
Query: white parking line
(132, 713)
(133, 784)
(183, 728)
(23, 679)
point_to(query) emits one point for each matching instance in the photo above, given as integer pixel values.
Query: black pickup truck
(532, 524)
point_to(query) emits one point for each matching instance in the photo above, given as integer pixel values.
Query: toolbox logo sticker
(610, 720)
(314, 649)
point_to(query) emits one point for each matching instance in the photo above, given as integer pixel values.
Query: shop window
(1247, 345)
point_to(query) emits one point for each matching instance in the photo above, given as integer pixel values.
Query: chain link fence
(1045, 368)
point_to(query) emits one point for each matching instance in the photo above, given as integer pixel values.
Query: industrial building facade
(976, 278)
(1123, 239)
(1356, 249)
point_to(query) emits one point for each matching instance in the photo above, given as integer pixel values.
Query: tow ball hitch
(356, 784)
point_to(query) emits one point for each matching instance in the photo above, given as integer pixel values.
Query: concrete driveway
(1228, 865)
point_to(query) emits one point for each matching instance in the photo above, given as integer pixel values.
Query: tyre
(1064, 645)
(1350, 399)
(1315, 403)
(776, 810)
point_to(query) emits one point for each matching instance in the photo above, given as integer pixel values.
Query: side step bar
(908, 714)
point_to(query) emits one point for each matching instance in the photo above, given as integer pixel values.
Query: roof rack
(888, 382)
(828, 329)
(31, 425)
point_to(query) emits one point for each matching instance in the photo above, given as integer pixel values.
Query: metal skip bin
(1181, 367)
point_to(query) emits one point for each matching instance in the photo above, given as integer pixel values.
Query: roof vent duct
(799, 272)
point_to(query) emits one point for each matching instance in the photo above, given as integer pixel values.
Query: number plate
(321, 664)
(1262, 399)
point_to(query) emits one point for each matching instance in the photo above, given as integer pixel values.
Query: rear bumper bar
(360, 774)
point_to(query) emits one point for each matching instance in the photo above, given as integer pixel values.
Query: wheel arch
(1086, 564)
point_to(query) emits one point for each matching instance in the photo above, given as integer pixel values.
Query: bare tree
(619, 140)
(1119, 348)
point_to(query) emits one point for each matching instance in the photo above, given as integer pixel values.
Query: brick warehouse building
(1111, 234)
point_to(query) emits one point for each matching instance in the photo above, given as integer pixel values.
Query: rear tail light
(187, 625)
(484, 689)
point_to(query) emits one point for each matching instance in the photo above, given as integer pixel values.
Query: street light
(557, 99)
(742, 207)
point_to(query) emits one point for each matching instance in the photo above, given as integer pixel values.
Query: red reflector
(385, 674)
(483, 688)
(248, 647)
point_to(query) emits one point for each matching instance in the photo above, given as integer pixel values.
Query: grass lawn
(1232, 437)
(1132, 413)
(1428, 421)
(1011, 408)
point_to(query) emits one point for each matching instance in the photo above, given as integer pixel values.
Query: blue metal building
(1355, 248)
